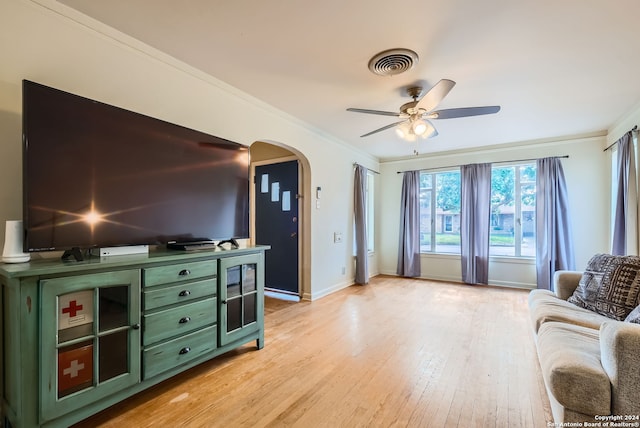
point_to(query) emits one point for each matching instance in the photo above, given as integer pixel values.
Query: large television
(95, 175)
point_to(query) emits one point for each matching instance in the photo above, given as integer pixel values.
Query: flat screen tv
(95, 175)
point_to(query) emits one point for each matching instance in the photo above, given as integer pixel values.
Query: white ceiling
(556, 67)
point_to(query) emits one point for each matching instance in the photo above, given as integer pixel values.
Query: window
(370, 213)
(513, 203)
(440, 212)
(448, 223)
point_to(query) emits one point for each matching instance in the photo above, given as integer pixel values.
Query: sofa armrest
(619, 344)
(565, 282)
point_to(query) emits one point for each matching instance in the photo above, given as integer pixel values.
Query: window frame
(518, 212)
(370, 213)
(432, 188)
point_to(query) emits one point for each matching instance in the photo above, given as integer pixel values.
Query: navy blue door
(277, 223)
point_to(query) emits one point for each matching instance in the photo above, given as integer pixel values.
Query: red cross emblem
(73, 309)
(73, 369)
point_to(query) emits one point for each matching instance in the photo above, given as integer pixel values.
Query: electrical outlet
(337, 237)
(344, 270)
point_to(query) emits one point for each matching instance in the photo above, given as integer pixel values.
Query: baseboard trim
(506, 284)
(323, 293)
(282, 296)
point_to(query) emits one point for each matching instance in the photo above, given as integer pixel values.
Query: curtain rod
(368, 169)
(457, 166)
(634, 129)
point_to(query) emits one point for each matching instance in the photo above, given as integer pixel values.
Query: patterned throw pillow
(610, 286)
(587, 291)
(634, 316)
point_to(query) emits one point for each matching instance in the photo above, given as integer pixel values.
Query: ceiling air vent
(393, 61)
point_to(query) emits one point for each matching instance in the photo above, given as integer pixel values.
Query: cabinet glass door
(95, 331)
(243, 297)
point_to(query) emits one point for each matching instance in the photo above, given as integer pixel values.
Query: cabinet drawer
(179, 272)
(178, 320)
(156, 297)
(173, 353)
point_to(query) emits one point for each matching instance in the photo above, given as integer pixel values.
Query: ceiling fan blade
(383, 128)
(462, 112)
(379, 112)
(433, 97)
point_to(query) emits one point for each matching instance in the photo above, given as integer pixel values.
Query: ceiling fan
(416, 115)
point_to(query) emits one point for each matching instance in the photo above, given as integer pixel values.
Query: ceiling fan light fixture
(403, 130)
(419, 127)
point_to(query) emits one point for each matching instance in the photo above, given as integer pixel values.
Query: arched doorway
(279, 217)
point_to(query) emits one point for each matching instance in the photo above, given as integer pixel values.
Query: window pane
(233, 281)
(447, 212)
(286, 201)
(370, 213)
(75, 315)
(528, 210)
(425, 221)
(234, 314)
(425, 212)
(248, 278)
(113, 307)
(249, 309)
(503, 212)
(113, 355)
(75, 368)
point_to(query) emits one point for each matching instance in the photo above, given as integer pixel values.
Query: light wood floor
(395, 353)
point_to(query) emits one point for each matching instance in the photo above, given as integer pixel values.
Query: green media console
(77, 337)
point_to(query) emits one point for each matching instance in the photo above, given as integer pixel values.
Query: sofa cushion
(570, 360)
(634, 316)
(610, 286)
(544, 306)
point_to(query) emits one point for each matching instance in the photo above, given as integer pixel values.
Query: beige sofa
(590, 362)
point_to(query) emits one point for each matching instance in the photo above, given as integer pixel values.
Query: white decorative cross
(73, 369)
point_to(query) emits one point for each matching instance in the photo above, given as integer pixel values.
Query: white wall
(587, 175)
(56, 46)
(51, 44)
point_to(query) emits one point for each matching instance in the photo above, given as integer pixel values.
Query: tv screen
(96, 175)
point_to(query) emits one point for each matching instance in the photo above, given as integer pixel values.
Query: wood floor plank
(396, 353)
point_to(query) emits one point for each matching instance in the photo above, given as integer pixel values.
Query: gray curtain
(475, 216)
(409, 244)
(554, 244)
(360, 219)
(619, 245)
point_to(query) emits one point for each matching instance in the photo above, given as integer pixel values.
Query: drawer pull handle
(185, 350)
(184, 320)
(184, 272)
(184, 293)
(136, 326)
